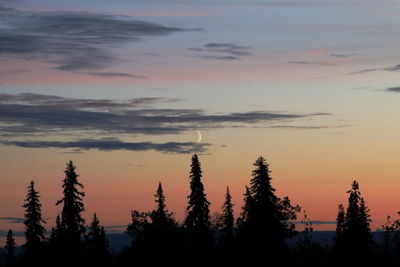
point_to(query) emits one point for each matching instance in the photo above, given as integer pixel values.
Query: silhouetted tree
(34, 231)
(226, 231)
(197, 222)
(353, 237)
(57, 233)
(265, 217)
(391, 241)
(227, 215)
(97, 243)
(136, 229)
(307, 252)
(71, 219)
(10, 248)
(163, 233)
(340, 229)
(160, 216)
(245, 220)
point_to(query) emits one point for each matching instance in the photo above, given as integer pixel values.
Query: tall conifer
(34, 230)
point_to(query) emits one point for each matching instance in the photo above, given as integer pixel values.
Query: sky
(126, 89)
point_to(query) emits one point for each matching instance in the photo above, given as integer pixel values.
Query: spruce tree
(160, 216)
(34, 231)
(10, 248)
(96, 237)
(96, 243)
(353, 233)
(197, 222)
(266, 223)
(71, 216)
(227, 216)
(340, 220)
(247, 209)
(57, 232)
(357, 220)
(340, 230)
(163, 232)
(227, 232)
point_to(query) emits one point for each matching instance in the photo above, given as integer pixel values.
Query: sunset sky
(123, 88)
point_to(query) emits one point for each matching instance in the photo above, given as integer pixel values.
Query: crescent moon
(199, 134)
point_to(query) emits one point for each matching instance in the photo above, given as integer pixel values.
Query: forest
(259, 236)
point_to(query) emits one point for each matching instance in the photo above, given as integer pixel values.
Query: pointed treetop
(160, 200)
(196, 171)
(227, 209)
(10, 243)
(35, 232)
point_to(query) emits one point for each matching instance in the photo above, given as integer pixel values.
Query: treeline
(257, 237)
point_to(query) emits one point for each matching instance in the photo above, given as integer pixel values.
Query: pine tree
(226, 240)
(10, 248)
(265, 218)
(197, 222)
(57, 239)
(57, 231)
(71, 218)
(353, 237)
(227, 215)
(340, 229)
(96, 243)
(340, 220)
(365, 220)
(353, 209)
(248, 209)
(160, 216)
(34, 233)
(357, 219)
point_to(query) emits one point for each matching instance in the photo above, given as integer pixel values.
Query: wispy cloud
(220, 57)
(393, 89)
(12, 219)
(34, 113)
(30, 116)
(222, 51)
(323, 58)
(229, 48)
(112, 144)
(342, 55)
(115, 74)
(303, 62)
(70, 40)
(390, 68)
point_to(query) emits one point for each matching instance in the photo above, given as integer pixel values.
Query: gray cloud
(12, 219)
(390, 68)
(303, 127)
(115, 74)
(111, 144)
(220, 57)
(341, 55)
(393, 89)
(26, 118)
(305, 62)
(229, 48)
(71, 40)
(33, 100)
(35, 114)
(222, 51)
(393, 68)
